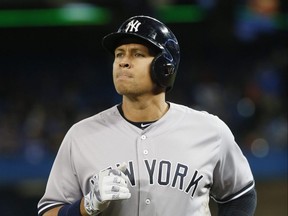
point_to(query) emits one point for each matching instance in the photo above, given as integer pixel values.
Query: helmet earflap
(163, 71)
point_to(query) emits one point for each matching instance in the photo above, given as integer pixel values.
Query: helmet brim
(111, 41)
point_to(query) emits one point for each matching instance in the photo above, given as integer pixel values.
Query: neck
(144, 110)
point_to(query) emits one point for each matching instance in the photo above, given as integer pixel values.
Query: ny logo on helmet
(133, 26)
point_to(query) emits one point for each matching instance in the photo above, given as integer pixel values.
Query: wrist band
(70, 209)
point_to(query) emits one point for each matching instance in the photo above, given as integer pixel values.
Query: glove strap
(88, 205)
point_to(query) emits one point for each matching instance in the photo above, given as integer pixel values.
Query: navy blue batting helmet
(165, 65)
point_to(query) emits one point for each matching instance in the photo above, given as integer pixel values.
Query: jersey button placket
(145, 198)
(143, 138)
(145, 151)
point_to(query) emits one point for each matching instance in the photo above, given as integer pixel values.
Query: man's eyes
(136, 54)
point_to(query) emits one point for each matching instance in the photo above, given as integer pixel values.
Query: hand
(110, 184)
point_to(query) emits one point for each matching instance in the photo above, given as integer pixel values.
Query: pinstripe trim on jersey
(47, 206)
(244, 190)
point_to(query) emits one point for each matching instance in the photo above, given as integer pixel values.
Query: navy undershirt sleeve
(242, 206)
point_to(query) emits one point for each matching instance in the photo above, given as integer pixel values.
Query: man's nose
(124, 65)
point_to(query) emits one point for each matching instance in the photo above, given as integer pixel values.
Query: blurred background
(54, 72)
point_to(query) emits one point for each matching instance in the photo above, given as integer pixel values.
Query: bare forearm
(82, 209)
(52, 212)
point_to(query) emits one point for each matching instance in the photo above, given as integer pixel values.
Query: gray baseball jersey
(174, 165)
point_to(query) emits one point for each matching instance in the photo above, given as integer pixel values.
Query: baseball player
(147, 156)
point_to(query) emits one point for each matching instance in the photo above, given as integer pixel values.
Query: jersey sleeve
(62, 186)
(232, 174)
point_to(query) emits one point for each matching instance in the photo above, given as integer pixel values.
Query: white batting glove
(109, 185)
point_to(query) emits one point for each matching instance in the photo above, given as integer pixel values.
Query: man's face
(131, 70)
